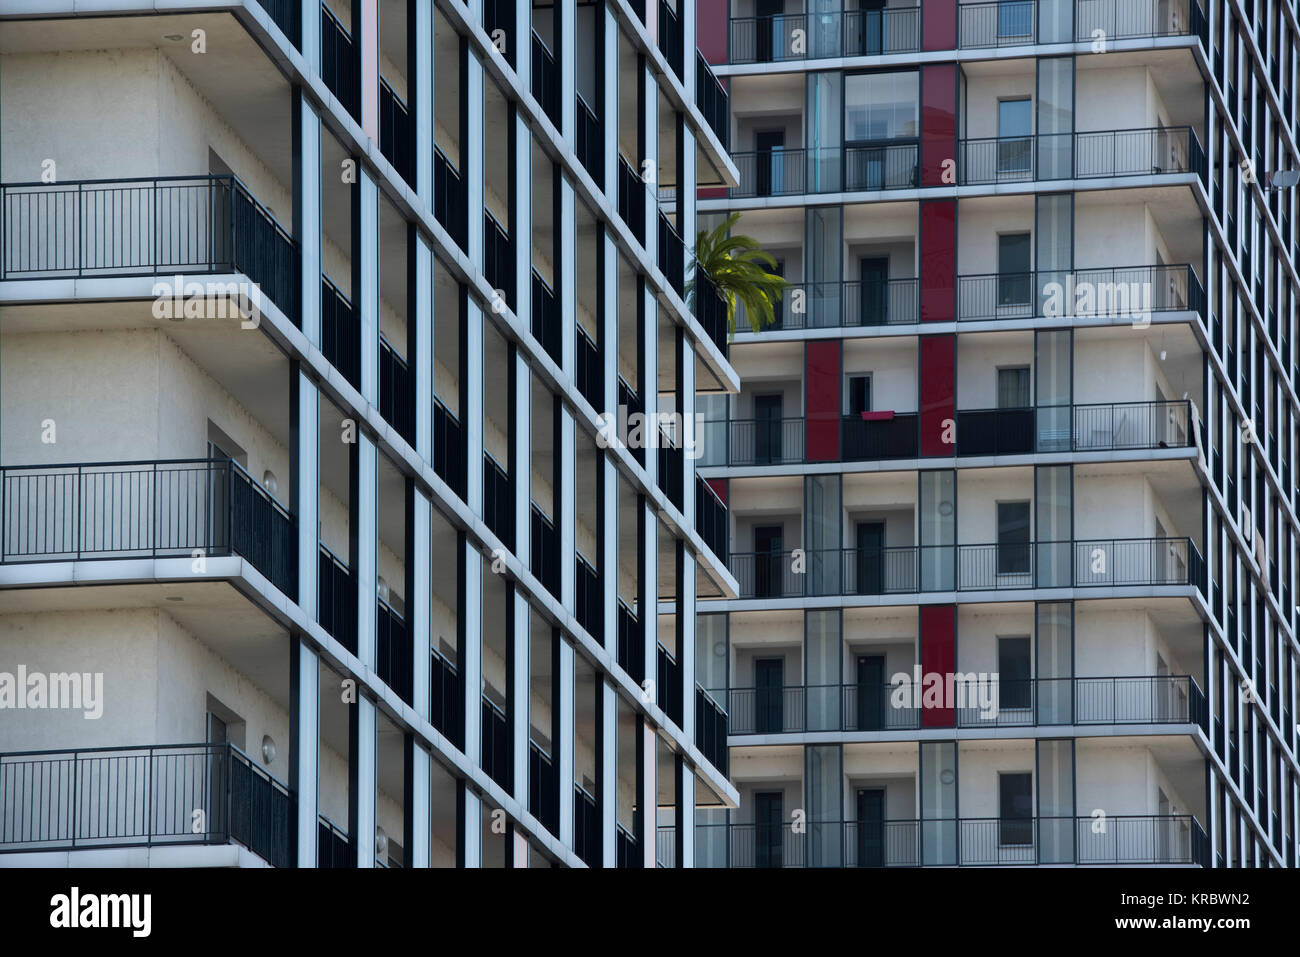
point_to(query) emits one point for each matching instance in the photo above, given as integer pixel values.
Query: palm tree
(741, 271)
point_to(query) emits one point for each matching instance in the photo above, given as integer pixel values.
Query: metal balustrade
(171, 508)
(448, 448)
(546, 318)
(1080, 155)
(711, 99)
(336, 599)
(1016, 22)
(546, 79)
(711, 520)
(396, 132)
(1114, 292)
(394, 651)
(144, 796)
(161, 226)
(396, 391)
(711, 729)
(837, 33)
(1001, 566)
(447, 711)
(340, 332)
(340, 62)
(498, 501)
(449, 197)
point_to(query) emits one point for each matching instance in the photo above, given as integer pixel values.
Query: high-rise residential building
(316, 546)
(1011, 478)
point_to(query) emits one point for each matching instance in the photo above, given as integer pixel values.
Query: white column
(648, 596)
(367, 297)
(364, 813)
(304, 734)
(423, 84)
(307, 211)
(471, 651)
(567, 509)
(419, 602)
(566, 290)
(521, 227)
(421, 805)
(306, 485)
(649, 798)
(686, 639)
(522, 472)
(473, 824)
(310, 32)
(471, 148)
(519, 706)
(564, 747)
(471, 413)
(686, 826)
(608, 556)
(566, 61)
(422, 363)
(609, 109)
(366, 494)
(609, 774)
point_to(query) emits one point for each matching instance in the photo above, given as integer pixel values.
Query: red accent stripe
(938, 392)
(938, 656)
(822, 403)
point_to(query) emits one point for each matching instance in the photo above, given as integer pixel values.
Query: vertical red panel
(369, 67)
(937, 390)
(938, 260)
(938, 123)
(939, 25)
(822, 401)
(719, 487)
(938, 657)
(711, 29)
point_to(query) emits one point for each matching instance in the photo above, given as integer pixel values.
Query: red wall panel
(938, 259)
(938, 656)
(939, 25)
(711, 29)
(719, 487)
(938, 123)
(938, 393)
(822, 401)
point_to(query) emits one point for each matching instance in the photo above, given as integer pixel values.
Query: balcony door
(1013, 538)
(871, 692)
(769, 542)
(871, 27)
(769, 695)
(870, 558)
(1014, 687)
(768, 816)
(767, 27)
(1016, 809)
(768, 410)
(1014, 281)
(1015, 138)
(769, 164)
(871, 827)
(873, 276)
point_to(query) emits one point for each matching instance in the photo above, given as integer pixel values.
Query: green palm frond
(741, 271)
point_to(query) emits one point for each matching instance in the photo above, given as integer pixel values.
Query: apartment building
(1026, 417)
(314, 548)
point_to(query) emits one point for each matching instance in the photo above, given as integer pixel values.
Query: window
(1015, 127)
(1013, 538)
(881, 106)
(1015, 18)
(1014, 682)
(1013, 388)
(1013, 269)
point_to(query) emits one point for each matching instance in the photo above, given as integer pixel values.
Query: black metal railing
(837, 33)
(711, 98)
(668, 683)
(447, 709)
(169, 508)
(498, 258)
(396, 132)
(670, 37)
(544, 545)
(498, 501)
(857, 168)
(590, 374)
(589, 600)
(589, 145)
(1115, 292)
(631, 643)
(978, 842)
(448, 448)
(830, 305)
(877, 436)
(996, 567)
(666, 846)
(672, 254)
(494, 752)
(336, 599)
(995, 431)
(628, 853)
(711, 729)
(340, 331)
(162, 226)
(711, 309)
(711, 519)
(287, 15)
(340, 62)
(1090, 155)
(145, 796)
(543, 788)
(499, 22)
(394, 651)
(332, 847)
(672, 463)
(767, 441)
(396, 391)
(448, 197)
(631, 198)
(546, 318)
(1016, 22)
(586, 827)
(546, 79)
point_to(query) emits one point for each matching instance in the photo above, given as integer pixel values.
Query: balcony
(711, 520)
(671, 464)
(886, 435)
(668, 686)
(498, 258)
(911, 569)
(711, 729)
(586, 827)
(631, 199)
(494, 752)
(842, 33)
(590, 375)
(1092, 155)
(287, 15)
(336, 600)
(153, 509)
(396, 391)
(589, 146)
(1033, 702)
(394, 651)
(1016, 23)
(448, 197)
(834, 305)
(543, 788)
(498, 501)
(711, 99)
(544, 543)
(670, 37)
(978, 842)
(671, 255)
(447, 712)
(546, 318)
(631, 643)
(340, 332)
(546, 79)
(332, 847)
(588, 598)
(164, 226)
(711, 309)
(796, 172)
(448, 448)
(143, 797)
(396, 132)
(1115, 292)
